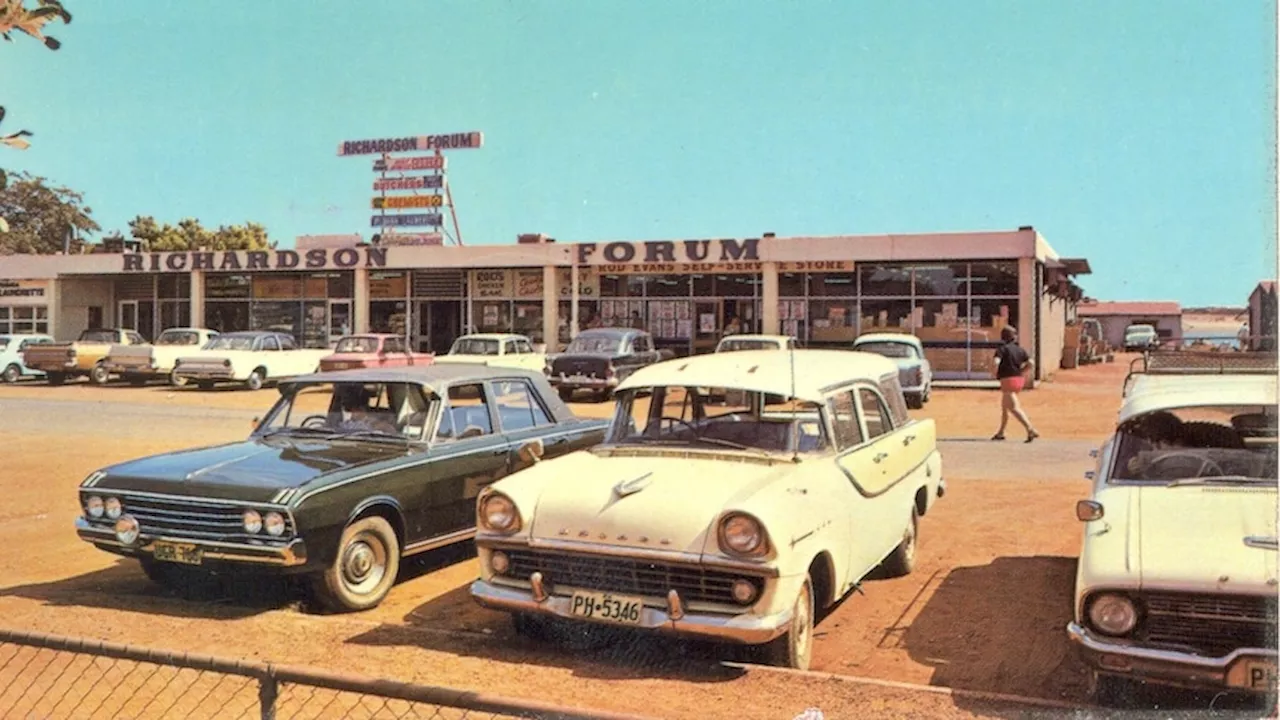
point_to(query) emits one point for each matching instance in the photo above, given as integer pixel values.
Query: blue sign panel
(434, 219)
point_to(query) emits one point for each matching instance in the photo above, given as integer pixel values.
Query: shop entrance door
(439, 324)
(129, 314)
(340, 324)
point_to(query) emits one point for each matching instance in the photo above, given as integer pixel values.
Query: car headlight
(113, 508)
(273, 523)
(127, 530)
(1113, 614)
(93, 506)
(252, 521)
(742, 534)
(498, 513)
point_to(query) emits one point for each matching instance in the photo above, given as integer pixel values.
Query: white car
(733, 343)
(12, 368)
(496, 350)
(734, 524)
(249, 358)
(1140, 337)
(915, 373)
(139, 363)
(1176, 581)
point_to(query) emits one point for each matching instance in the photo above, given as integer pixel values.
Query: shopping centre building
(953, 290)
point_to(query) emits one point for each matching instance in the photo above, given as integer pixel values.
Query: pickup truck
(139, 363)
(251, 359)
(373, 351)
(85, 357)
(496, 350)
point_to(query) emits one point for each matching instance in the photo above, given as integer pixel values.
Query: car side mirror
(532, 451)
(1093, 453)
(1088, 510)
(253, 424)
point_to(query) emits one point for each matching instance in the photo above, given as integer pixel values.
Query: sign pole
(453, 212)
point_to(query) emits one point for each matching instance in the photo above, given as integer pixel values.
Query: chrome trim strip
(438, 542)
(1263, 542)
(671, 557)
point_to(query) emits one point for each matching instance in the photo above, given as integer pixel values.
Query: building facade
(953, 290)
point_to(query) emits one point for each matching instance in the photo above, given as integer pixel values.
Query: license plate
(1253, 674)
(178, 553)
(622, 609)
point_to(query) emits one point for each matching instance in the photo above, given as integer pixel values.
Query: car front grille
(1212, 625)
(192, 518)
(629, 576)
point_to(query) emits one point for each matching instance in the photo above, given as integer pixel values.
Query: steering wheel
(692, 429)
(1186, 459)
(315, 421)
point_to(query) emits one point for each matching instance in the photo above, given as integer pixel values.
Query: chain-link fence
(48, 676)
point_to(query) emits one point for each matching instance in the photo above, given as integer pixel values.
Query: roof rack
(1184, 362)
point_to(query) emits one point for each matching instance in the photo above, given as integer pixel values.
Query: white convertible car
(1176, 581)
(249, 358)
(731, 523)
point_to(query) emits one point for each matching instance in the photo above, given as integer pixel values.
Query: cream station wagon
(733, 523)
(1176, 582)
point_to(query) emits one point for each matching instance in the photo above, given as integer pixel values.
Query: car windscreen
(887, 349)
(674, 417)
(230, 342)
(1195, 444)
(98, 336)
(357, 345)
(336, 410)
(593, 344)
(474, 346)
(178, 337)
(746, 344)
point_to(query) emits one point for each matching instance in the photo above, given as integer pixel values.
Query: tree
(189, 234)
(41, 215)
(15, 16)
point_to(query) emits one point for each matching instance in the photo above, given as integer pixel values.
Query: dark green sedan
(349, 472)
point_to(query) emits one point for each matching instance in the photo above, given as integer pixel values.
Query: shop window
(218, 286)
(174, 287)
(668, 286)
(832, 285)
(791, 284)
(832, 321)
(993, 278)
(941, 279)
(277, 316)
(746, 285)
(226, 317)
(528, 320)
(942, 325)
(387, 317)
(885, 279)
(341, 285)
(492, 316)
(885, 315)
(703, 285)
(277, 287)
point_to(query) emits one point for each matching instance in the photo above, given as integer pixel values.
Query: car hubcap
(364, 564)
(801, 631)
(909, 540)
(10, 375)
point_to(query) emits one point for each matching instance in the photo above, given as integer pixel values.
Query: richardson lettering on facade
(314, 259)
(451, 141)
(683, 252)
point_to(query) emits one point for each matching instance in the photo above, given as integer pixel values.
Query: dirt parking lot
(983, 615)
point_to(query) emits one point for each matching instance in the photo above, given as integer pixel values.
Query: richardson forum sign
(668, 256)
(451, 141)
(314, 259)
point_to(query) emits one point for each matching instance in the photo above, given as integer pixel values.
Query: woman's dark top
(1010, 358)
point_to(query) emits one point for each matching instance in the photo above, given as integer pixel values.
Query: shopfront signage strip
(22, 288)
(435, 219)
(451, 141)
(672, 253)
(314, 259)
(413, 182)
(399, 202)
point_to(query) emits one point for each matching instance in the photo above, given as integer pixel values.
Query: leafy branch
(14, 15)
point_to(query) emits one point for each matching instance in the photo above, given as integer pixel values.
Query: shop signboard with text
(664, 257)
(237, 260)
(451, 141)
(430, 220)
(400, 164)
(24, 292)
(397, 202)
(413, 182)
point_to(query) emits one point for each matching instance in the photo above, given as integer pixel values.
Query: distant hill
(1215, 310)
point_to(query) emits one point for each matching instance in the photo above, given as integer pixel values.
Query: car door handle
(880, 456)
(907, 440)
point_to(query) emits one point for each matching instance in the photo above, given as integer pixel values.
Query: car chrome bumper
(743, 629)
(1119, 657)
(582, 381)
(294, 553)
(205, 373)
(119, 369)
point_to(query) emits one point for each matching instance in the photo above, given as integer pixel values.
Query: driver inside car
(355, 413)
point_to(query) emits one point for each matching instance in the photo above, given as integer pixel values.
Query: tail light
(918, 374)
(608, 372)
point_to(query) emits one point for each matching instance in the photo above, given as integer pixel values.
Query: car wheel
(903, 558)
(1113, 691)
(254, 382)
(56, 378)
(204, 385)
(99, 375)
(11, 374)
(795, 648)
(566, 393)
(364, 570)
(175, 380)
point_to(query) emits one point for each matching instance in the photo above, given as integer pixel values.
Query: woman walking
(1012, 364)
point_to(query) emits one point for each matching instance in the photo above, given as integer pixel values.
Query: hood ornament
(1265, 542)
(632, 486)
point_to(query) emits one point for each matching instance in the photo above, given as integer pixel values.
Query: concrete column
(1027, 310)
(769, 324)
(550, 307)
(197, 298)
(54, 299)
(360, 301)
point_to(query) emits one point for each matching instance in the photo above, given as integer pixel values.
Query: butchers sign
(667, 256)
(314, 259)
(413, 182)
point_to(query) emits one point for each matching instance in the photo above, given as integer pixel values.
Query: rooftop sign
(417, 182)
(435, 219)
(453, 141)
(420, 162)
(396, 202)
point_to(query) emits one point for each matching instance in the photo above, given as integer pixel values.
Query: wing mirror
(532, 451)
(1088, 510)
(253, 424)
(1093, 453)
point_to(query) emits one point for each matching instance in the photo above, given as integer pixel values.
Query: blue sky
(1138, 134)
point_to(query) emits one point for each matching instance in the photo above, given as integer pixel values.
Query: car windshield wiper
(372, 435)
(1223, 479)
(327, 432)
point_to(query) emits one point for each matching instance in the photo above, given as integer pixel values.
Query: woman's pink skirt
(1011, 384)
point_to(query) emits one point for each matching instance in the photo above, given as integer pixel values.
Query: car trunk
(589, 365)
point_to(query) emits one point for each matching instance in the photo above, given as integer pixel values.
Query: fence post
(268, 691)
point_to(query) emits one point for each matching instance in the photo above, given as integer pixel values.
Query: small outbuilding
(1165, 316)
